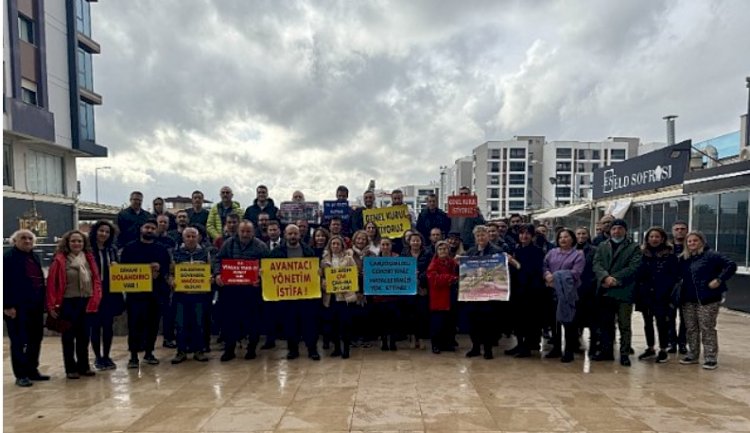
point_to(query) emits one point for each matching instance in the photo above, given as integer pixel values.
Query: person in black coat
(704, 276)
(526, 273)
(432, 217)
(300, 315)
(418, 307)
(101, 237)
(23, 306)
(482, 314)
(130, 220)
(586, 311)
(656, 279)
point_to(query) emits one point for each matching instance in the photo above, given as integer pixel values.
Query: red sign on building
(462, 206)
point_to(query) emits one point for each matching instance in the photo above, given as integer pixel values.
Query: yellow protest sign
(341, 280)
(392, 221)
(130, 278)
(192, 277)
(290, 279)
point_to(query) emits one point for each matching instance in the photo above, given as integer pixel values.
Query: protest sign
(290, 279)
(390, 276)
(341, 280)
(483, 278)
(192, 277)
(392, 221)
(236, 272)
(462, 206)
(291, 211)
(336, 208)
(130, 278)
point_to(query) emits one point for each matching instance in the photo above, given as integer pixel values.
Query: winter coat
(215, 225)
(129, 223)
(252, 211)
(139, 252)
(566, 294)
(657, 276)
(699, 270)
(18, 288)
(341, 260)
(527, 282)
(232, 248)
(442, 275)
(57, 279)
(429, 220)
(112, 303)
(622, 265)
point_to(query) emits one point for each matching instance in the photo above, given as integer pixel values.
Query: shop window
(733, 226)
(705, 214)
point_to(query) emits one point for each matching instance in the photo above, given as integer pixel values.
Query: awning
(617, 208)
(561, 212)
(661, 195)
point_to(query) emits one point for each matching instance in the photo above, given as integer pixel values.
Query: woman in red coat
(441, 275)
(74, 290)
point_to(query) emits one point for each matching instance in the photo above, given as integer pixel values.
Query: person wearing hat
(143, 307)
(616, 264)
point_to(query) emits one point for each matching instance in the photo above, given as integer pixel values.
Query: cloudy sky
(312, 94)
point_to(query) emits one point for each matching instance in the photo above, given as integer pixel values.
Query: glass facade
(86, 118)
(83, 17)
(44, 173)
(85, 70)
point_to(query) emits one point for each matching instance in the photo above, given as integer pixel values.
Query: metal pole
(96, 184)
(747, 116)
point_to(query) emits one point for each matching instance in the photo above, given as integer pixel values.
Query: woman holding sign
(74, 290)
(420, 310)
(361, 318)
(101, 237)
(387, 307)
(340, 304)
(442, 276)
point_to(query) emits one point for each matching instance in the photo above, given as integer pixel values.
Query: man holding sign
(301, 313)
(236, 273)
(143, 307)
(192, 284)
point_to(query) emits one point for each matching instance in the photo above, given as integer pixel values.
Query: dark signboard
(657, 169)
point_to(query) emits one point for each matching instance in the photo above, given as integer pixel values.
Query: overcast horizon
(310, 95)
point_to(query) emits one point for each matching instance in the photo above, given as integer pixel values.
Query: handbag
(57, 324)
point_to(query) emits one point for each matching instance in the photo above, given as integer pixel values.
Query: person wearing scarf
(74, 290)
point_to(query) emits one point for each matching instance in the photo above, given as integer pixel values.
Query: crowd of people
(557, 288)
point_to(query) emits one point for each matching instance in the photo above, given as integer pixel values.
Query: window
(44, 173)
(494, 206)
(26, 29)
(28, 96)
(517, 166)
(563, 166)
(581, 153)
(733, 220)
(493, 167)
(85, 70)
(596, 154)
(563, 179)
(580, 167)
(83, 17)
(494, 180)
(516, 205)
(493, 192)
(516, 179)
(562, 202)
(617, 154)
(705, 213)
(425, 192)
(562, 191)
(594, 166)
(516, 192)
(7, 165)
(494, 153)
(564, 152)
(86, 121)
(516, 152)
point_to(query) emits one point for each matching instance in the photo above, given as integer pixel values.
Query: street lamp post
(747, 115)
(96, 181)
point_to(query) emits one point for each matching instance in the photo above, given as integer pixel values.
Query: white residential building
(453, 178)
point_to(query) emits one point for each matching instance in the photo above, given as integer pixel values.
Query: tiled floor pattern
(409, 390)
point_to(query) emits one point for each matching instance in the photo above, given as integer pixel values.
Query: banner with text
(390, 276)
(341, 280)
(291, 211)
(239, 272)
(290, 279)
(483, 278)
(462, 206)
(128, 278)
(336, 208)
(392, 221)
(192, 277)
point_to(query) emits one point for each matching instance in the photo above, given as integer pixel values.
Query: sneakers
(662, 357)
(710, 365)
(683, 349)
(133, 363)
(648, 354)
(672, 348)
(151, 359)
(625, 360)
(200, 357)
(688, 360)
(179, 357)
(100, 364)
(23, 382)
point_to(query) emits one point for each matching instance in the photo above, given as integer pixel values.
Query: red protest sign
(462, 206)
(235, 272)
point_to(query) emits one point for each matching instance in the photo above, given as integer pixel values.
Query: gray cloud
(309, 95)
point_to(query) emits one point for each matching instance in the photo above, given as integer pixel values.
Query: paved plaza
(409, 390)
